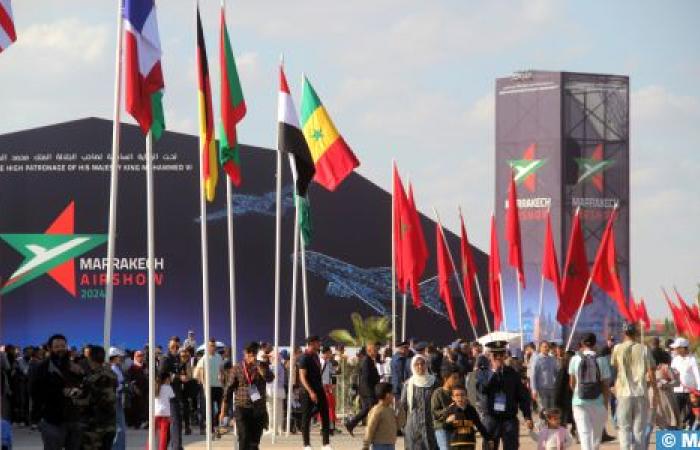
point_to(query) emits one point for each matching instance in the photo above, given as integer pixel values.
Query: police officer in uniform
(502, 393)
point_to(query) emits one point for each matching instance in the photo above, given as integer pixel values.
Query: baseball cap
(114, 351)
(679, 342)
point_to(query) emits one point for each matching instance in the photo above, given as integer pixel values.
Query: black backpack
(588, 378)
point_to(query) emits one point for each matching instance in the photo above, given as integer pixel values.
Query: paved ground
(136, 439)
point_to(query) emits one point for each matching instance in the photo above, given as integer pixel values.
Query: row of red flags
(686, 318)
(411, 256)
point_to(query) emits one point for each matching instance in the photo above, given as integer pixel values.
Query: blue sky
(410, 80)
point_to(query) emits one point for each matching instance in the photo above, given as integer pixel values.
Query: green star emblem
(317, 134)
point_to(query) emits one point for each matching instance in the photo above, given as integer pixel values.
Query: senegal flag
(233, 107)
(332, 157)
(206, 116)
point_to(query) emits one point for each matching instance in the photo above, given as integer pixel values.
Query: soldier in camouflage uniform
(100, 386)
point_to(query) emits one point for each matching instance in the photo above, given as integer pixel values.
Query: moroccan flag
(445, 270)
(142, 70)
(400, 203)
(468, 271)
(550, 265)
(576, 275)
(632, 307)
(496, 302)
(691, 316)
(515, 246)
(643, 315)
(333, 158)
(414, 252)
(7, 25)
(679, 321)
(233, 106)
(291, 139)
(206, 116)
(604, 272)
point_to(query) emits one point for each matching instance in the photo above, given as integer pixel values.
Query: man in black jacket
(503, 393)
(369, 377)
(58, 400)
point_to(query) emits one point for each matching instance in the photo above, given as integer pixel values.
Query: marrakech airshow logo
(526, 168)
(52, 253)
(591, 169)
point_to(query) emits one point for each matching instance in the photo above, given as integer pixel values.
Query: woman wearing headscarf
(665, 409)
(415, 403)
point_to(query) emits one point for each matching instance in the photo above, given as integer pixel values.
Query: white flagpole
(403, 319)
(540, 310)
(578, 312)
(231, 254)
(455, 274)
(113, 181)
(205, 281)
(503, 302)
(481, 300)
(150, 255)
(231, 268)
(293, 316)
(304, 287)
(278, 237)
(520, 310)
(393, 259)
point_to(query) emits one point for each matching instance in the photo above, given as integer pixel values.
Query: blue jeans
(383, 447)
(443, 439)
(120, 436)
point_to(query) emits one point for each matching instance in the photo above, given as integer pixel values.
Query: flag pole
(520, 310)
(456, 276)
(293, 315)
(113, 182)
(231, 253)
(278, 237)
(231, 268)
(403, 318)
(150, 252)
(481, 300)
(393, 258)
(205, 279)
(578, 312)
(503, 302)
(540, 309)
(304, 287)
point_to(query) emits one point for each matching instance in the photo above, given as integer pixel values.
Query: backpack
(588, 378)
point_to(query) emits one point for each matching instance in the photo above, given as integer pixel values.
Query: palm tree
(371, 329)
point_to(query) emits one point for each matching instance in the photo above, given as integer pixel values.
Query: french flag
(7, 26)
(143, 73)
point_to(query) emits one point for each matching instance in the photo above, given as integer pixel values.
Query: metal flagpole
(205, 281)
(278, 237)
(305, 290)
(578, 312)
(113, 181)
(455, 274)
(293, 318)
(520, 310)
(540, 309)
(503, 302)
(393, 259)
(150, 255)
(481, 300)
(403, 319)
(231, 254)
(231, 268)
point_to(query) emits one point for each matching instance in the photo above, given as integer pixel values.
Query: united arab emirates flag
(291, 139)
(233, 107)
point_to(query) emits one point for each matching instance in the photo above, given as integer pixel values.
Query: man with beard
(57, 399)
(137, 377)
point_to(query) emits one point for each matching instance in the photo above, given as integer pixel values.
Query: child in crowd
(463, 421)
(695, 409)
(164, 392)
(552, 436)
(382, 424)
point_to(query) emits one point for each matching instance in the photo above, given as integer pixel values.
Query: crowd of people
(436, 398)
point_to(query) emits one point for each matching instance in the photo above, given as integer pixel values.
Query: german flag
(331, 154)
(206, 116)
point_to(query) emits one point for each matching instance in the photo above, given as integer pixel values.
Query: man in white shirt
(687, 367)
(215, 365)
